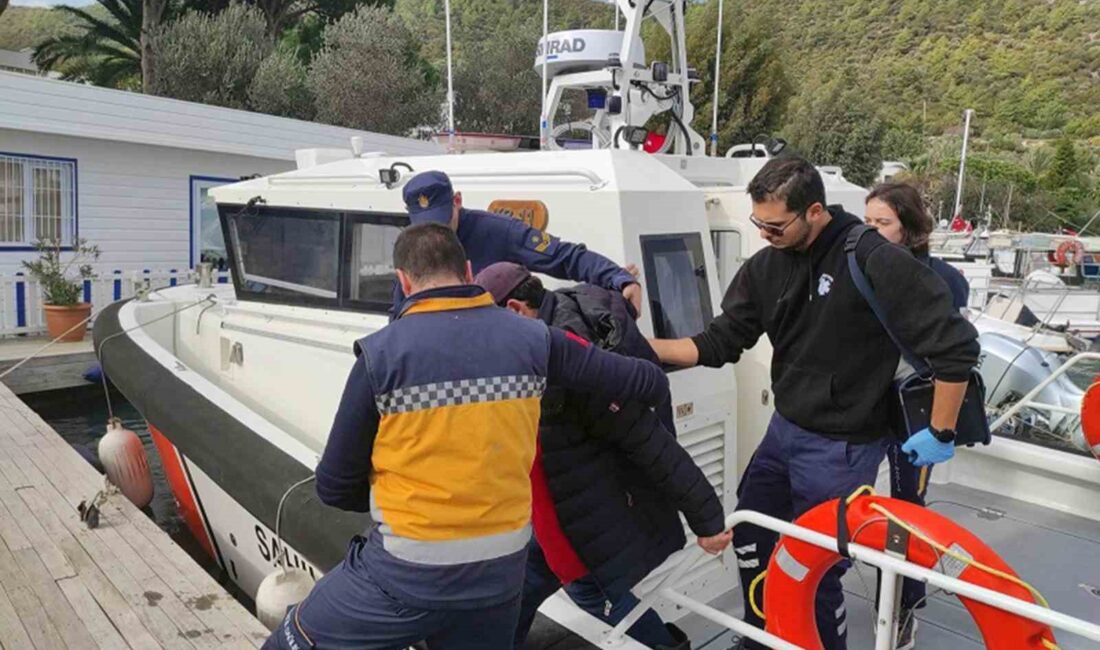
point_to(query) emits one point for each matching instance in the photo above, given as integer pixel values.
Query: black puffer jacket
(617, 476)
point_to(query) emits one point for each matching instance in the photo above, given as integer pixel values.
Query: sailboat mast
(962, 164)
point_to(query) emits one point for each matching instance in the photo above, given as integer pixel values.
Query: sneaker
(907, 633)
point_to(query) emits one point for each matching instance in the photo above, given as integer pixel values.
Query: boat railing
(1029, 400)
(1058, 295)
(891, 570)
(21, 296)
(595, 180)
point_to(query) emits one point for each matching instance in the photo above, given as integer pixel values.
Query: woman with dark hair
(897, 211)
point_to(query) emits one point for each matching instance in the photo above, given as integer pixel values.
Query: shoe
(680, 640)
(907, 633)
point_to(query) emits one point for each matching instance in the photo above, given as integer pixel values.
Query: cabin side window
(321, 258)
(369, 272)
(727, 255)
(676, 279)
(289, 256)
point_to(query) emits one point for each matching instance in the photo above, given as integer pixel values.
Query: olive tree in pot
(62, 283)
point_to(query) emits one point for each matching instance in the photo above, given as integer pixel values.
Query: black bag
(915, 391)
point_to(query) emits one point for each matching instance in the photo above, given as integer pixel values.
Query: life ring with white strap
(796, 569)
(1090, 417)
(1069, 252)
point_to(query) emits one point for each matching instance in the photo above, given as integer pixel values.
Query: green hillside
(23, 27)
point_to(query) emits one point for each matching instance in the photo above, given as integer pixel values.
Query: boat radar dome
(581, 50)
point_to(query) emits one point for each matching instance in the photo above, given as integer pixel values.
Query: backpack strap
(864, 287)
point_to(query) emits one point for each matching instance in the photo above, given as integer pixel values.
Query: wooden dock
(62, 365)
(124, 584)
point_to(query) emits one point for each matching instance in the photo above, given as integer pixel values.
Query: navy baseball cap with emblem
(429, 197)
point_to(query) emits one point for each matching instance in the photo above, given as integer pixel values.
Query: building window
(37, 200)
(676, 279)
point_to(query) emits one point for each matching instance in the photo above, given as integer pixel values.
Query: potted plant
(63, 289)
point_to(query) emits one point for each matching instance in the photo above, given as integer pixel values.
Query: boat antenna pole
(717, 74)
(962, 165)
(450, 83)
(544, 122)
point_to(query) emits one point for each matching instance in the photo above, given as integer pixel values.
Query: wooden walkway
(61, 365)
(124, 584)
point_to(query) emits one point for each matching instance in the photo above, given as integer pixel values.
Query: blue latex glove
(922, 448)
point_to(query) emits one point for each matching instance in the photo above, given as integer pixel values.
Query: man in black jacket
(608, 479)
(833, 364)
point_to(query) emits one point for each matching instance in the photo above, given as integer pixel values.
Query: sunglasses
(773, 229)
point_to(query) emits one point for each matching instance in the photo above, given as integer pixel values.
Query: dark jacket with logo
(617, 479)
(833, 363)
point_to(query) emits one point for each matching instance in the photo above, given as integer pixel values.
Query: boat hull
(227, 478)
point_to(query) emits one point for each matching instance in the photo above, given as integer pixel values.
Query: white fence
(21, 296)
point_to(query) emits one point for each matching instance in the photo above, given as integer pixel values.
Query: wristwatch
(943, 435)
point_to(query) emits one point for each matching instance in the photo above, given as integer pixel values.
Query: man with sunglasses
(833, 363)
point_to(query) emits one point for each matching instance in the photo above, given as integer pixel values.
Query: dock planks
(125, 584)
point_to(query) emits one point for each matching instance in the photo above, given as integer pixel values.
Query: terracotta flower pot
(61, 319)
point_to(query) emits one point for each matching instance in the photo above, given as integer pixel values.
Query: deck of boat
(1054, 551)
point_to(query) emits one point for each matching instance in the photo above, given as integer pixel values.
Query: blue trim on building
(20, 301)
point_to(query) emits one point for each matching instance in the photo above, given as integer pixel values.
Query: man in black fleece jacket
(833, 364)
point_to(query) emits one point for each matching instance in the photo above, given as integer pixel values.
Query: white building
(130, 172)
(890, 169)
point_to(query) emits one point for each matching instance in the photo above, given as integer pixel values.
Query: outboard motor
(1011, 369)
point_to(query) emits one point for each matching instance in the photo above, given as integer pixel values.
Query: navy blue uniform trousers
(792, 471)
(348, 610)
(540, 583)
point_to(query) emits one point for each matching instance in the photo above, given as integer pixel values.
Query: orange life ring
(796, 569)
(1068, 248)
(1090, 417)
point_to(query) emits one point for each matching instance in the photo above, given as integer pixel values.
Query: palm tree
(106, 52)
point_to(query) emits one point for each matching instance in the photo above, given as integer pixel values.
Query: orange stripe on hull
(181, 489)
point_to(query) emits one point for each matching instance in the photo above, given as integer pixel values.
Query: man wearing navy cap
(490, 238)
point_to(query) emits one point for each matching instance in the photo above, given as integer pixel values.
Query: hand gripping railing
(891, 568)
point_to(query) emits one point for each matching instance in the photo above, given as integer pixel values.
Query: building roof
(40, 105)
(18, 61)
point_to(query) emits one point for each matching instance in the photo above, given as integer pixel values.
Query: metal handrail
(1029, 399)
(580, 172)
(891, 568)
(325, 180)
